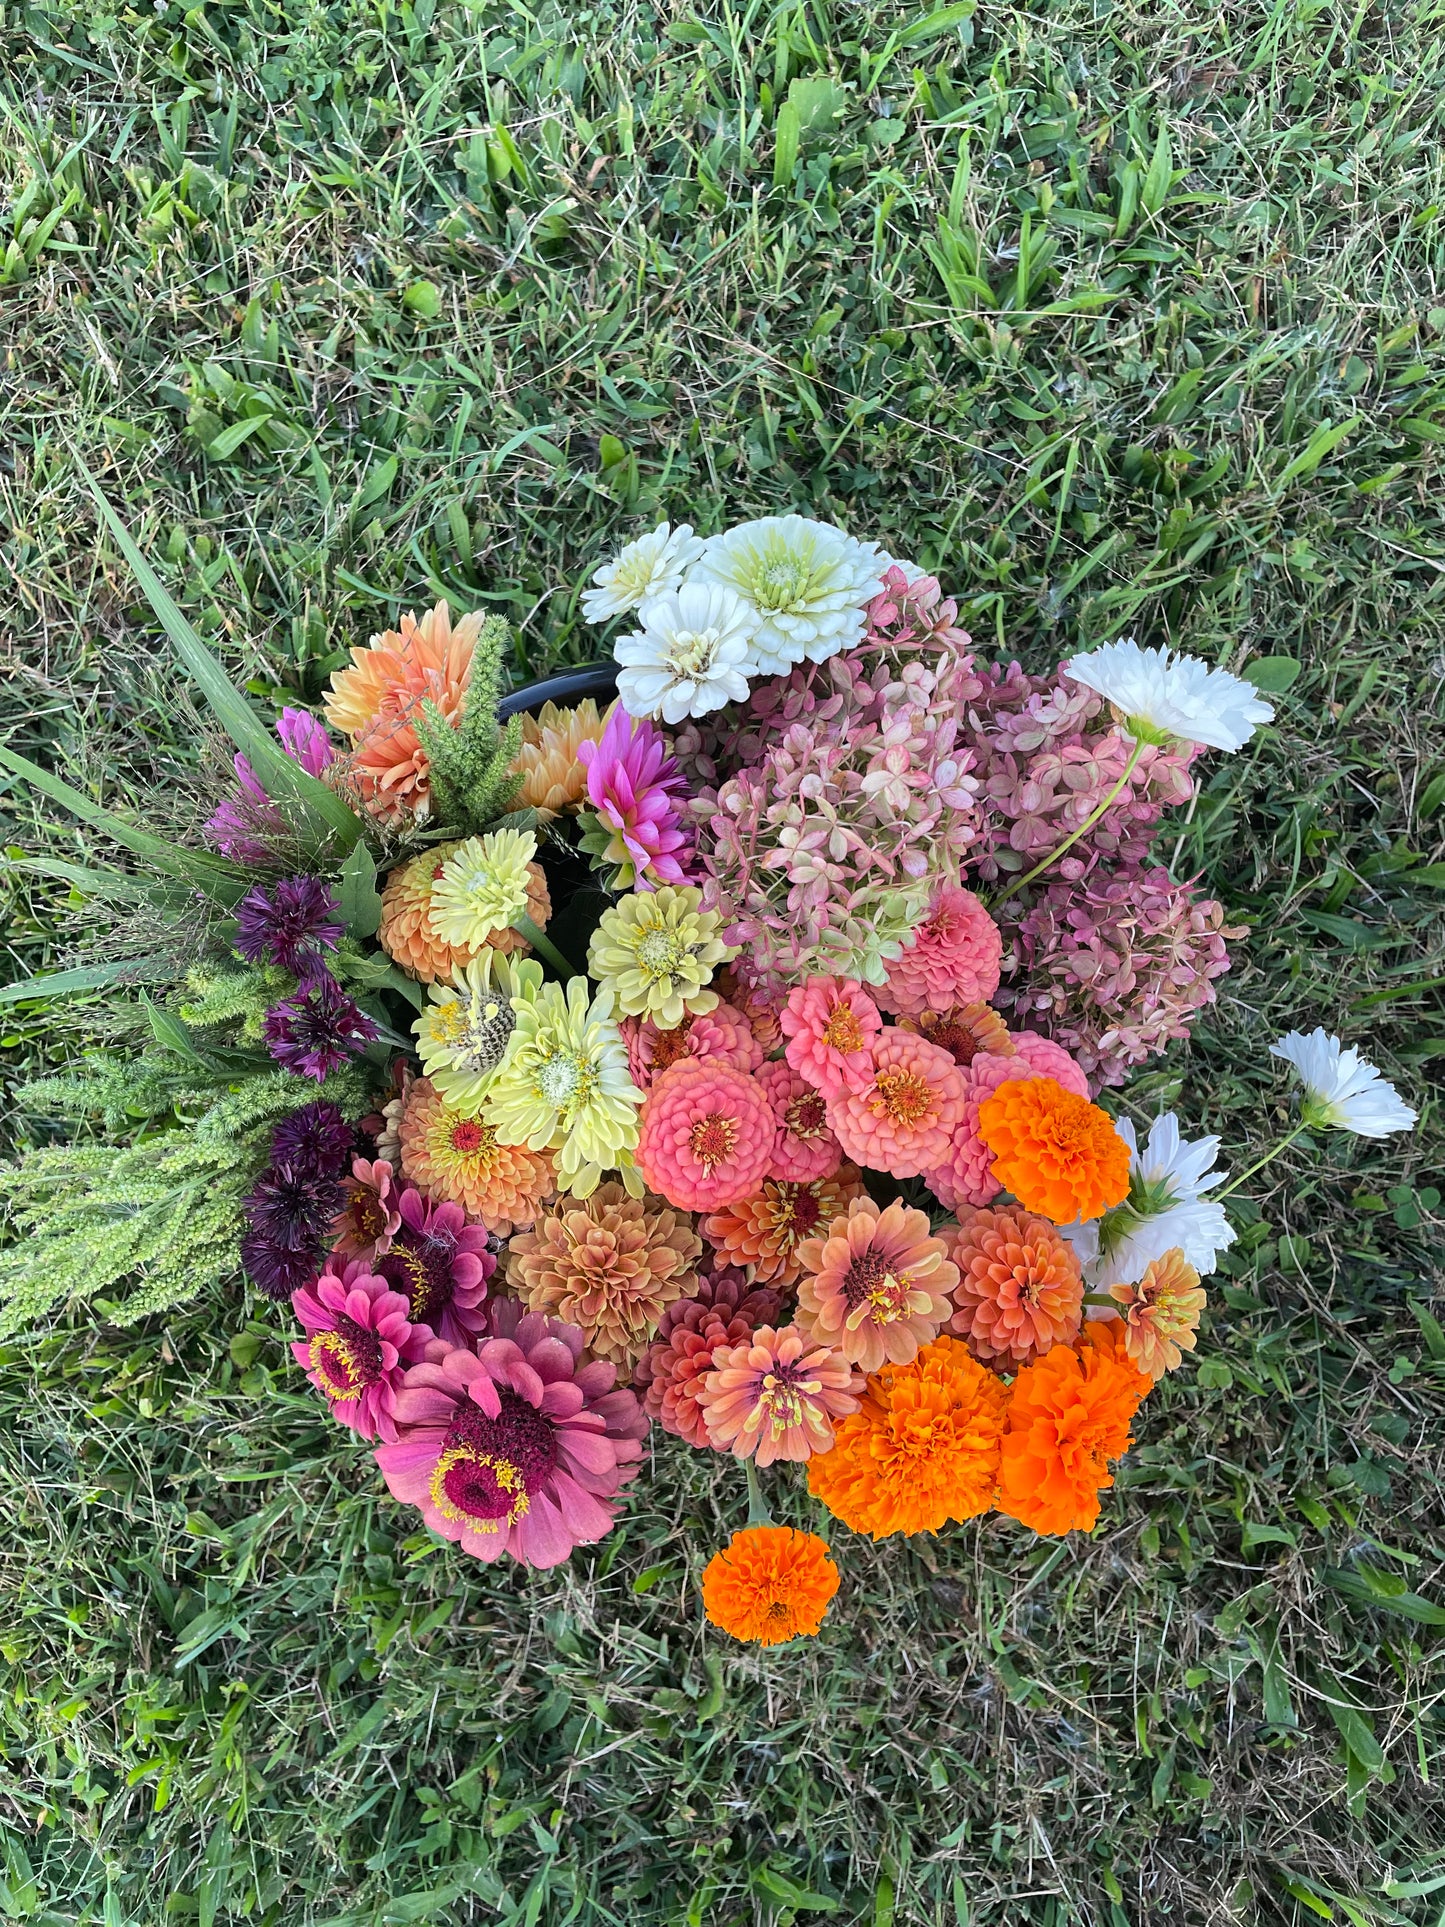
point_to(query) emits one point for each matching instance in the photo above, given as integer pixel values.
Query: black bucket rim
(595, 679)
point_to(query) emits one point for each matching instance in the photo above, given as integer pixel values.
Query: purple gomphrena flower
(315, 1138)
(288, 1217)
(289, 923)
(317, 1033)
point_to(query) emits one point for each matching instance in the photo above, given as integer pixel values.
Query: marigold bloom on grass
(706, 1136)
(776, 1396)
(441, 1265)
(922, 1448)
(725, 1310)
(654, 953)
(1055, 1151)
(378, 700)
(763, 1234)
(359, 1341)
(831, 1024)
(407, 933)
(805, 1146)
(1019, 1290)
(770, 1584)
(966, 1175)
(1161, 1313)
(554, 778)
(459, 1159)
(876, 1284)
(1069, 1415)
(610, 1264)
(967, 1031)
(904, 1118)
(721, 1034)
(953, 957)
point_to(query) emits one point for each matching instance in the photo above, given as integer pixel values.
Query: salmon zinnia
(875, 1284)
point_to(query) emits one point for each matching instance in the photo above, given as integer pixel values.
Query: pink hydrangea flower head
(521, 1447)
(831, 1024)
(359, 1341)
(911, 611)
(964, 1176)
(705, 1135)
(805, 1147)
(905, 1118)
(372, 1210)
(952, 958)
(441, 1264)
(776, 1395)
(759, 1003)
(725, 1310)
(633, 827)
(721, 1035)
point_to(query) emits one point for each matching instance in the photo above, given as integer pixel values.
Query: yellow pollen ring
(508, 1477)
(331, 1346)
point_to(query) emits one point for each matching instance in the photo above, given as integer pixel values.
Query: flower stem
(544, 947)
(758, 1513)
(1260, 1163)
(1069, 841)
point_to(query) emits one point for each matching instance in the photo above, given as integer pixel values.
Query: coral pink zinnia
(721, 1034)
(776, 1396)
(905, 1117)
(724, 1310)
(876, 1285)
(705, 1135)
(831, 1024)
(805, 1147)
(1019, 1290)
(519, 1447)
(964, 1176)
(359, 1341)
(633, 825)
(372, 1210)
(953, 957)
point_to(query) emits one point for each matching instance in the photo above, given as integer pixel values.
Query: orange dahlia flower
(377, 700)
(1161, 1313)
(761, 1235)
(456, 1159)
(771, 1584)
(1068, 1417)
(1020, 1290)
(876, 1284)
(904, 1117)
(411, 939)
(922, 1448)
(1057, 1152)
(553, 778)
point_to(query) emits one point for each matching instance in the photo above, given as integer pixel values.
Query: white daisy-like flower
(1163, 695)
(653, 565)
(1343, 1092)
(689, 657)
(1166, 1209)
(806, 582)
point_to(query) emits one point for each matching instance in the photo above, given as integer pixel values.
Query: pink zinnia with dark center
(633, 824)
(441, 1264)
(722, 1034)
(876, 1285)
(776, 1395)
(359, 1341)
(519, 1448)
(805, 1147)
(831, 1024)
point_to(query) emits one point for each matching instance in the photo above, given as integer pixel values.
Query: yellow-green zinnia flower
(482, 887)
(463, 1034)
(654, 952)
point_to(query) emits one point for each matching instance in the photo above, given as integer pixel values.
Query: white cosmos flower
(1163, 695)
(1166, 1209)
(806, 582)
(689, 657)
(1343, 1092)
(652, 565)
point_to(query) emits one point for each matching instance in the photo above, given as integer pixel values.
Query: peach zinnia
(706, 1135)
(1069, 1416)
(875, 1284)
(764, 1233)
(1020, 1290)
(771, 1584)
(1161, 1313)
(1055, 1151)
(378, 699)
(776, 1396)
(673, 1370)
(922, 1448)
(953, 957)
(831, 1024)
(966, 1032)
(457, 1160)
(903, 1119)
(409, 935)
(804, 1146)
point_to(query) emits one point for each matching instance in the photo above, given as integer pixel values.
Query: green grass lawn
(1123, 319)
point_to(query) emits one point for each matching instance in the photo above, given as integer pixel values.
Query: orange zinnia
(771, 1584)
(1058, 1153)
(922, 1448)
(1068, 1416)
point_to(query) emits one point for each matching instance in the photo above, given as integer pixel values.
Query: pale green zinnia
(462, 1035)
(482, 887)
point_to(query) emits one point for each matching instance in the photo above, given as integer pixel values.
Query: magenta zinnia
(518, 1448)
(441, 1264)
(359, 1340)
(632, 827)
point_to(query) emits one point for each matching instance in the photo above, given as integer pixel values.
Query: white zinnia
(1342, 1091)
(1166, 1209)
(689, 657)
(1164, 695)
(806, 582)
(652, 565)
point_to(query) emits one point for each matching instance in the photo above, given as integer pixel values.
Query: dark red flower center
(490, 1468)
(468, 1136)
(957, 1040)
(712, 1138)
(366, 1215)
(806, 1116)
(422, 1269)
(346, 1360)
(671, 1046)
(798, 1208)
(872, 1279)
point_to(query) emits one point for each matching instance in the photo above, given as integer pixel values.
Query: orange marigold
(922, 1448)
(379, 698)
(1019, 1290)
(553, 779)
(1068, 1417)
(408, 935)
(456, 1159)
(761, 1235)
(1057, 1152)
(770, 1584)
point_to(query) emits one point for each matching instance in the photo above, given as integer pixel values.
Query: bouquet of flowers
(721, 1054)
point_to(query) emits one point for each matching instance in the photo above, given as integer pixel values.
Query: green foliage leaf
(1272, 675)
(359, 897)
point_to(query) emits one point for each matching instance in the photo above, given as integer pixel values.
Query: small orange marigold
(770, 1584)
(1068, 1417)
(1058, 1153)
